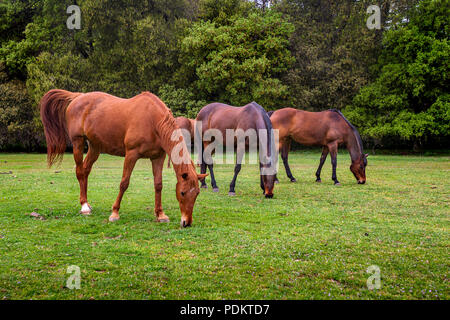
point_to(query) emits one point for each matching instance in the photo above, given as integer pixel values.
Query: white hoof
(113, 218)
(86, 209)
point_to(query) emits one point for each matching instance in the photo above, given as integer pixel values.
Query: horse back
(310, 128)
(115, 124)
(222, 117)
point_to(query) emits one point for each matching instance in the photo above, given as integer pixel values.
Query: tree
(240, 59)
(409, 100)
(124, 47)
(334, 50)
(19, 128)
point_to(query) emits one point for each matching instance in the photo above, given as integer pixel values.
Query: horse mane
(268, 124)
(165, 129)
(270, 113)
(355, 131)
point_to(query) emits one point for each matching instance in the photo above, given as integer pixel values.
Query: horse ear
(367, 155)
(184, 176)
(202, 176)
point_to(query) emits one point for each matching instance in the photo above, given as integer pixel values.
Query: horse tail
(53, 108)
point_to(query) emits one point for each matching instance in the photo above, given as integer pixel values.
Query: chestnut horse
(328, 129)
(250, 117)
(140, 127)
(188, 125)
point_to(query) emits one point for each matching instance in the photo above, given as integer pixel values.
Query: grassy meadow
(312, 241)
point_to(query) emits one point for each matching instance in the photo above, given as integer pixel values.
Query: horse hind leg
(78, 151)
(203, 169)
(323, 157)
(89, 161)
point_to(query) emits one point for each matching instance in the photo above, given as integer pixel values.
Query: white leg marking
(86, 209)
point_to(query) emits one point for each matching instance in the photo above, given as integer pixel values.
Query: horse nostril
(185, 224)
(361, 182)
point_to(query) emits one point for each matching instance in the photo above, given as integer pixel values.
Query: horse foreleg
(168, 161)
(130, 161)
(333, 153)
(323, 157)
(284, 155)
(213, 179)
(157, 167)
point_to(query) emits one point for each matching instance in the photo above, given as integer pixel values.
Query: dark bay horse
(140, 127)
(223, 117)
(327, 129)
(188, 125)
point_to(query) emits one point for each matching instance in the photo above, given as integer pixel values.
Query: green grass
(312, 241)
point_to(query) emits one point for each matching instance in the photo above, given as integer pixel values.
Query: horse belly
(309, 137)
(108, 138)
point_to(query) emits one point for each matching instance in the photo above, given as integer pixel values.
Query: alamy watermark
(74, 280)
(74, 20)
(374, 281)
(236, 142)
(374, 21)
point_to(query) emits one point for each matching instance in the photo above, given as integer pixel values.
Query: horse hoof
(216, 190)
(231, 194)
(277, 182)
(319, 181)
(293, 180)
(204, 187)
(86, 210)
(113, 218)
(337, 184)
(164, 220)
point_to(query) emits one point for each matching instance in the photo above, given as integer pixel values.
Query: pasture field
(312, 241)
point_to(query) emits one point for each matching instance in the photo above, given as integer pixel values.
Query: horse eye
(183, 193)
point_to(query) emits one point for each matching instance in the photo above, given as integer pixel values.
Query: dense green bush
(182, 102)
(410, 98)
(241, 61)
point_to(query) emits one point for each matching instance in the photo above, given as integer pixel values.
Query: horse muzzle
(361, 181)
(184, 223)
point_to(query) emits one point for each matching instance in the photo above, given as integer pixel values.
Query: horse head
(358, 168)
(187, 191)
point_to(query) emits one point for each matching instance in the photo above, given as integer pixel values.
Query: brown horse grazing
(224, 117)
(140, 127)
(186, 124)
(328, 129)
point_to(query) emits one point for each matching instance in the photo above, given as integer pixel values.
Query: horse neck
(353, 146)
(270, 144)
(165, 129)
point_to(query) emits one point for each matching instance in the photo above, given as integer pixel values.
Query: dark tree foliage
(308, 54)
